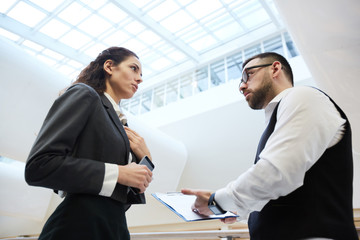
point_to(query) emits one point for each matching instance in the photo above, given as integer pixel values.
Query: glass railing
(211, 75)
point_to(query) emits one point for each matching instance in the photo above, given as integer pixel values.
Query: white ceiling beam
(139, 16)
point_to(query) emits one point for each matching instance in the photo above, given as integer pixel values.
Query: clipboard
(181, 204)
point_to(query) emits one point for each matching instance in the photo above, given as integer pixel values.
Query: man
(300, 186)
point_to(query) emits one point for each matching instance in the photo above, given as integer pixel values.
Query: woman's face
(123, 79)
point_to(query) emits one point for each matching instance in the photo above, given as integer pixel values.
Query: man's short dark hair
(272, 57)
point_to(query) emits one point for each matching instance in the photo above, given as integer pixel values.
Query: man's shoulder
(305, 93)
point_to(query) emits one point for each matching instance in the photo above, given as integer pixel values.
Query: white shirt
(307, 124)
(111, 170)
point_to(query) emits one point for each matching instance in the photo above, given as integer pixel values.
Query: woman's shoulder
(82, 89)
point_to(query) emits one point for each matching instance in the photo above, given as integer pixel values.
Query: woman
(84, 151)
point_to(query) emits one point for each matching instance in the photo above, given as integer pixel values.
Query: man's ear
(107, 66)
(276, 69)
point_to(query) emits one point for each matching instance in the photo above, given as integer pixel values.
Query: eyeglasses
(245, 75)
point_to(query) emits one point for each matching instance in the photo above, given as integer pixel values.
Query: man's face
(258, 89)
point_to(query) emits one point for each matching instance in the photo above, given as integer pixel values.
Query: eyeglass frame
(247, 76)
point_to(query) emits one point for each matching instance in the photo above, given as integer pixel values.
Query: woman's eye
(133, 68)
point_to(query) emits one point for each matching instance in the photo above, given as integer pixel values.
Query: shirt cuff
(224, 200)
(110, 179)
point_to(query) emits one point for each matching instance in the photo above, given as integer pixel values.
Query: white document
(181, 205)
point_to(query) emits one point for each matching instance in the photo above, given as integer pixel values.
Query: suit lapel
(115, 119)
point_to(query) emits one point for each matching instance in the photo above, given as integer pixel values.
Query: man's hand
(201, 203)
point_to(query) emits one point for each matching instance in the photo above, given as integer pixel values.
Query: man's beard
(260, 95)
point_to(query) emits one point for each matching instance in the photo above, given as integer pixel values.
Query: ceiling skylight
(67, 35)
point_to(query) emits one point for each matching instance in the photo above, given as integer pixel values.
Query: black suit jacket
(80, 133)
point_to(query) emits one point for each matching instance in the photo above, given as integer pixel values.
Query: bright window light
(95, 4)
(176, 56)
(113, 13)
(75, 39)
(134, 27)
(94, 25)
(55, 29)
(94, 50)
(75, 64)
(66, 69)
(141, 3)
(26, 14)
(164, 9)
(256, 18)
(228, 31)
(46, 60)
(149, 37)
(47, 5)
(202, 8)
(53, 54)
(117, 38)
(74, 13)
(134, 45)
(203, 43)
(5, 5)
(160, 63)
(32, 45)
(177, 21)
(9, 35)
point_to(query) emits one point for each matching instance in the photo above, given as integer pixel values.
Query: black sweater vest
(322, 207)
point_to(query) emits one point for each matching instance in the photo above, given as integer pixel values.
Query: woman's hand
(135, 175)
(137, 144)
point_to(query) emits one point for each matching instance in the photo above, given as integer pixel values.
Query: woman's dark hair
(272, 57)
(94, 74)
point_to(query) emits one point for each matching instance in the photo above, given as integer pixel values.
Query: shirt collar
(272, 104)
(113, 103)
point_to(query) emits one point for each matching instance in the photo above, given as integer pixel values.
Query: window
(234, 66)
(159, 96)
(274, 45)
(290, 46)
(186, 86)
(146, 101)
(172, 91)
(201, 76)
(217, 73)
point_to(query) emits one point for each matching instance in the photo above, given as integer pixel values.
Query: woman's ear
(107, 66)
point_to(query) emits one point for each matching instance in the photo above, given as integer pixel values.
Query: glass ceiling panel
(256, 18)
(5, 5)
(53, 54)
(9, 35)
(94, 50)
(202, 8)
(48, 5)
(94, 25)
(203, 43)
(177, 21)
(26, 14)
(116, 38)
(74, 13)
(163, 10)
(54, 29)
(149, 37)
(32, 45)
(113, 13)
(94, 4)
(75, 39)
(186, 29)
(134, 27)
